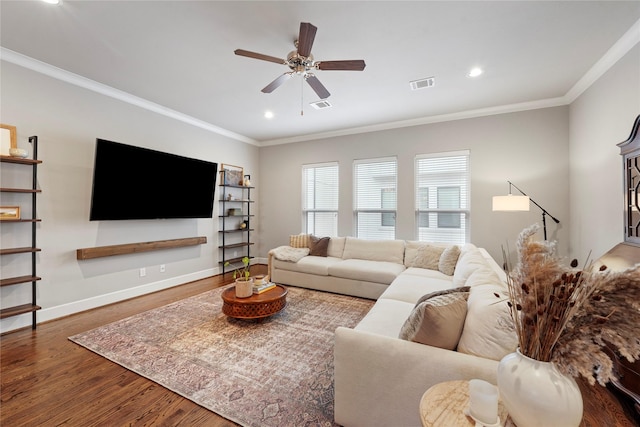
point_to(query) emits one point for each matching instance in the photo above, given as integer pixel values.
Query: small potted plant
(244, 281)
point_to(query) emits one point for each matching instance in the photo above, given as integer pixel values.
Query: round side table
(444, 405)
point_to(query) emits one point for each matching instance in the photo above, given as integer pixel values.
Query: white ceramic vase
(536, 394)
(244, 287)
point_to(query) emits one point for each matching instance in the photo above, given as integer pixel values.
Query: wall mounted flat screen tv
(138, 183)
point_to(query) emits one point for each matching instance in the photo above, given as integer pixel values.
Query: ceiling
(180, 55)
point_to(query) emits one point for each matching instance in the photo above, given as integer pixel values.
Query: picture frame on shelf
(8, 139)
(232, 175)
(9, 213)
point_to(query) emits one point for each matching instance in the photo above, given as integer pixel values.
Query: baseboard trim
(52, 313)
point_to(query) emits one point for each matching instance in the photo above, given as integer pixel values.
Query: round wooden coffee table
(256, 306)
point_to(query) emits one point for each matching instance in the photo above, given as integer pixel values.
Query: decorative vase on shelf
(244, 287)
(537, 394)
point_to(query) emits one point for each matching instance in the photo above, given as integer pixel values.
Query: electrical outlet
(162, 268)
(143, 272)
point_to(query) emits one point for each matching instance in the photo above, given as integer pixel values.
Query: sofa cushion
(468, 262)
(488, 329)
(437, 321)
(309, 264)
(367, 271)
(318, 246)
(299, 240)
(374, 250)
(336, 247)
(448, 260)
(410, 287)
(386, 318)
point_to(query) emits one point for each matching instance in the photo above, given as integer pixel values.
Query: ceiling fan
(301, 62)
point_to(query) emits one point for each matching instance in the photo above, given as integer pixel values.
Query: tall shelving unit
(235, 240)
(32, 278)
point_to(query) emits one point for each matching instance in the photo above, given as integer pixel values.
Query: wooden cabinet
(235, 226)
(26, 200)
(630, 152)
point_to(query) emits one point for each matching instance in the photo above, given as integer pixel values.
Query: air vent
(319, 105)
(423, 83)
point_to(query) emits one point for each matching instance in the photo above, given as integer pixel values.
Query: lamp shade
(510, 203)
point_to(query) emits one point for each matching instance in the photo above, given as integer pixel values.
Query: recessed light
(475, 72)
(268, 115)
(52, 1)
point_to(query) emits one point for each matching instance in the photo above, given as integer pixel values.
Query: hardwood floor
(46, 380)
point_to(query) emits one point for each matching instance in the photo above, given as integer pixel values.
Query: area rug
(278, 372)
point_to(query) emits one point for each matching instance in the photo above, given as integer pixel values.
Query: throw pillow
(442, 292)
(437, 321)
(318, 246)
(448, 260)
(299, 241)
(428, 256)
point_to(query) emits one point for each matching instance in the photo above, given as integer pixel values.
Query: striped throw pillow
(299, 241)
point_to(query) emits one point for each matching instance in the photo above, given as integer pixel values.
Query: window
(320, 199)
(442, 197)
(375, 198)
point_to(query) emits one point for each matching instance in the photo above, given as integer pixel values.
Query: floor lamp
(520, 203)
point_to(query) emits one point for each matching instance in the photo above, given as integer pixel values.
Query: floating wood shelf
(131, 248)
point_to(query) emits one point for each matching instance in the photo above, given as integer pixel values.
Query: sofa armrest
(380, 380)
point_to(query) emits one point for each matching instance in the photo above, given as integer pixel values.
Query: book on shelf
(258, 289)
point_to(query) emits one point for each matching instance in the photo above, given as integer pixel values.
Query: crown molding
(613, 55)
(92, 85)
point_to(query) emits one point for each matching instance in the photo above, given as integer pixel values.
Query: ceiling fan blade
(305, 38)
(255, 55)
(349, 65)
(277, 82)
(318, 87)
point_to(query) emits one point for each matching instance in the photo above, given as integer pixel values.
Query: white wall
(528, 148)
(601, 118)
(67, 120)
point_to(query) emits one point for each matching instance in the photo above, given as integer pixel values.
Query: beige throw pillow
(428, 256)
(442, 292)
(318, 246)
(448, 260)
(437, 321)
(299, 241)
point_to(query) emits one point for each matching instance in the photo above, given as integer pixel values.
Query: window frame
(392, 185)
(460, 179)
(306, 210)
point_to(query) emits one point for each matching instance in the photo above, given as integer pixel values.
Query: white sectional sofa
(379, 377)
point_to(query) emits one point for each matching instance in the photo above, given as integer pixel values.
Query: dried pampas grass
(567, 316)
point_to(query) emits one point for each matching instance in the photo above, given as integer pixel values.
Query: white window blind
(375, 198)
(320, 199)
(442, 197)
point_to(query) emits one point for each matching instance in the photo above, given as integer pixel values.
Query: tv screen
(137, 183)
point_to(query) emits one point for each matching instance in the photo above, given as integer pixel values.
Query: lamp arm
(544, 211)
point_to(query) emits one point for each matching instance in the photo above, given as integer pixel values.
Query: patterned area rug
(278, 372)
